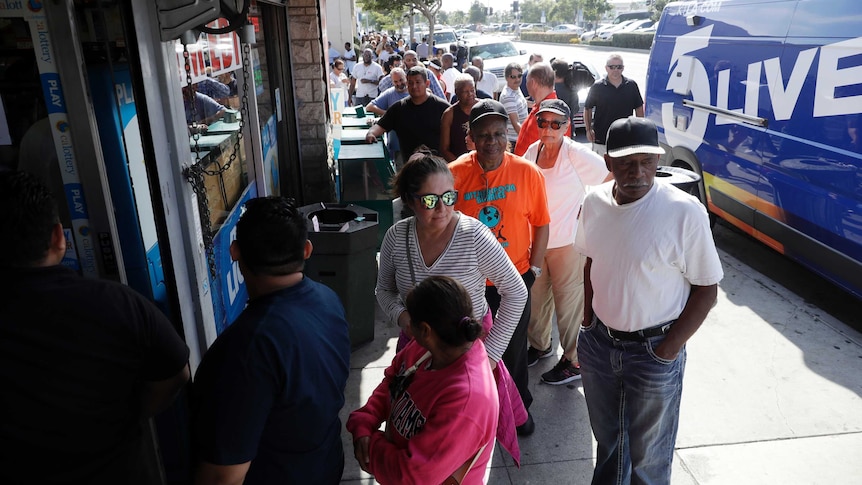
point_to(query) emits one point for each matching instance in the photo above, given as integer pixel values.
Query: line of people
(498, 245)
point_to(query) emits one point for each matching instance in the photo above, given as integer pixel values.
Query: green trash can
(344, 258)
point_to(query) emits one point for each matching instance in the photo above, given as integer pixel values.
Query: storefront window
(213, 109)
(267, 107)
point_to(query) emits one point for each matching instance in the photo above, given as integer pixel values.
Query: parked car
(609, 31)
(585, 75)
(589, 35)
(496, 53)
(629, 28)
(442, 37)
(566, 29)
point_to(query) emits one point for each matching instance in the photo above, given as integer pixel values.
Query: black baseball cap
(631, 135)
(556, 106)
(487, 107)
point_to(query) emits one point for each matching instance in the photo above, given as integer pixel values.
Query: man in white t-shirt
(364, 79)
(488, 81)
(449, 73)
(650, 279)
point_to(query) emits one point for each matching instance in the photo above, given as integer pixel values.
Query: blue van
(764, 99)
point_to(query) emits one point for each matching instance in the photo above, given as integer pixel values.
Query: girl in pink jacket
(438, 398)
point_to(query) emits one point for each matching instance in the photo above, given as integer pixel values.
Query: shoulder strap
(410, 253)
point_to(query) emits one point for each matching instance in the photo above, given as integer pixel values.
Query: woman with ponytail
(438, 398)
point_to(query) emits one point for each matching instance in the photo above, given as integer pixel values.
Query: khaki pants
(559, 291)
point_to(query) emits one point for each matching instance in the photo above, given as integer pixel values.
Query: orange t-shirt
(510, 200)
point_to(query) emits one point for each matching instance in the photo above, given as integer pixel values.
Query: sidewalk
(773, 395)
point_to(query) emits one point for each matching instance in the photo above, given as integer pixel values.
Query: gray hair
(542, 73)
(462, 79)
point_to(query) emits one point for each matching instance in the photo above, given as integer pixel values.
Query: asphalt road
(809, 286)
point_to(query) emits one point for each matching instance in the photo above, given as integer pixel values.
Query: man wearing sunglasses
(513, 100)
(540, 84)
(507, 193)
(614, 97)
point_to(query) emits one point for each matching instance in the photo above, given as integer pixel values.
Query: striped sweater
(472, 257)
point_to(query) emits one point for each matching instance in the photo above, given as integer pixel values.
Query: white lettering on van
(830, 77)
(693, 8)
(688, 76)
(784, 98)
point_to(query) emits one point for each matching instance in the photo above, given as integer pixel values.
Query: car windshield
(444, 37)
(493, 51)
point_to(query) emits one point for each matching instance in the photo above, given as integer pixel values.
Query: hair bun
(470, 328)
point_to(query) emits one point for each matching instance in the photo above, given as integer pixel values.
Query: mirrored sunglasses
(430, 200)
(556, 125)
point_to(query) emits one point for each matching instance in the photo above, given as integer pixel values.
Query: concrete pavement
(773, 395)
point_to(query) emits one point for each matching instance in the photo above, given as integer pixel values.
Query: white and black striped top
(472, 256)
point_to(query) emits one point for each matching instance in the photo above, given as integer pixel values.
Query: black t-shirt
(74, 353)
(569, 95)
(612, 103)
(415, 124)
(270, 388)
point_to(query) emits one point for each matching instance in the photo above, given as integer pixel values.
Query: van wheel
(701, 188)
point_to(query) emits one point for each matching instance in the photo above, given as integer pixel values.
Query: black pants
(515, 356)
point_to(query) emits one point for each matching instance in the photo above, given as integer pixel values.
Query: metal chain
(194, 174)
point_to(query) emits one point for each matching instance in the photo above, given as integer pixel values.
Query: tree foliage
(594, 9)
(478, 15)
(397, 8)
(657, 7)
(531, 10)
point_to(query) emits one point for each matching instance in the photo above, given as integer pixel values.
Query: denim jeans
(633, 401)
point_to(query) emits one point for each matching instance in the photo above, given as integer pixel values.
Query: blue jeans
(633, 401)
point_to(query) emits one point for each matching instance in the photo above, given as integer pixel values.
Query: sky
(453, 5)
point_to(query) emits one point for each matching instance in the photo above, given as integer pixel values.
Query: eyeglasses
(430, 200)
(615, 66)
(515, 76)
(556, 125)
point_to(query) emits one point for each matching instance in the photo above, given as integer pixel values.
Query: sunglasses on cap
(615, 66)
(430, 200)
(556, 125)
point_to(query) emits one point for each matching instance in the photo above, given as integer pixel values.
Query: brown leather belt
(640, 335)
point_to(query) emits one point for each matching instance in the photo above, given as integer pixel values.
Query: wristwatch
(537, 271)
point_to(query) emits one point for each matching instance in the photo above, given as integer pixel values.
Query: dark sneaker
(533, 355)
(528, 427)
(562, 373)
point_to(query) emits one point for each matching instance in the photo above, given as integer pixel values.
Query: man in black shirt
(415, 119)
(614, 97)
(83, 362)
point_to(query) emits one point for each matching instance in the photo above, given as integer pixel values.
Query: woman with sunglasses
(337, 77)
(438, 240)
(513, 100)
(569, 168)
(438, 398)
